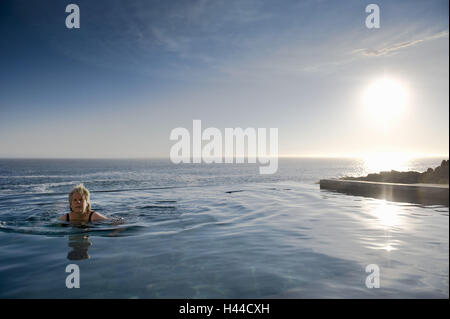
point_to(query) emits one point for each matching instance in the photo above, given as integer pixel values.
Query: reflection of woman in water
(80, 207)
(80, 244)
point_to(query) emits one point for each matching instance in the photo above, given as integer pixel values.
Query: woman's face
(78, 204)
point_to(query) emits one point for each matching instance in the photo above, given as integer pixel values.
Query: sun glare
(385, 99)
(387, 215)
(386, 161)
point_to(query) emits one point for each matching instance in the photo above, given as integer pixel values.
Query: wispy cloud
(170, 43)
(398, 46)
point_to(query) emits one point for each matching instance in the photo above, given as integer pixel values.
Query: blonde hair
(83, 191)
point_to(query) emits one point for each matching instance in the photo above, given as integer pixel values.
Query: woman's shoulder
(95, 216)
(63, 217)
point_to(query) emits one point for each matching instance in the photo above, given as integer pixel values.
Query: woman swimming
(80, 207)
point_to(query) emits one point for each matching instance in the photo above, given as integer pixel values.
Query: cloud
(167, 41)
(399, 46)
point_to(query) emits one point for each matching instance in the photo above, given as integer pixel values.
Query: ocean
(215, 231)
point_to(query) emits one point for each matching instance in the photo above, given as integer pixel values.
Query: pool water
(214, 231)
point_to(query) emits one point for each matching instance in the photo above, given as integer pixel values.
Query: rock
(440, 175)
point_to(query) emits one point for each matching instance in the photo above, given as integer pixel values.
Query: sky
(135, 70)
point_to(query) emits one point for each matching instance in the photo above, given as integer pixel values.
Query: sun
(385, 99)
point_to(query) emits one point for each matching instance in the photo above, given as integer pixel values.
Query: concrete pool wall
(427, 194)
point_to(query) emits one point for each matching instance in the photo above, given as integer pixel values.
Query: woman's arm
(97, 217)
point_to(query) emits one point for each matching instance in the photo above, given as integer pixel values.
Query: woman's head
(79, 199)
